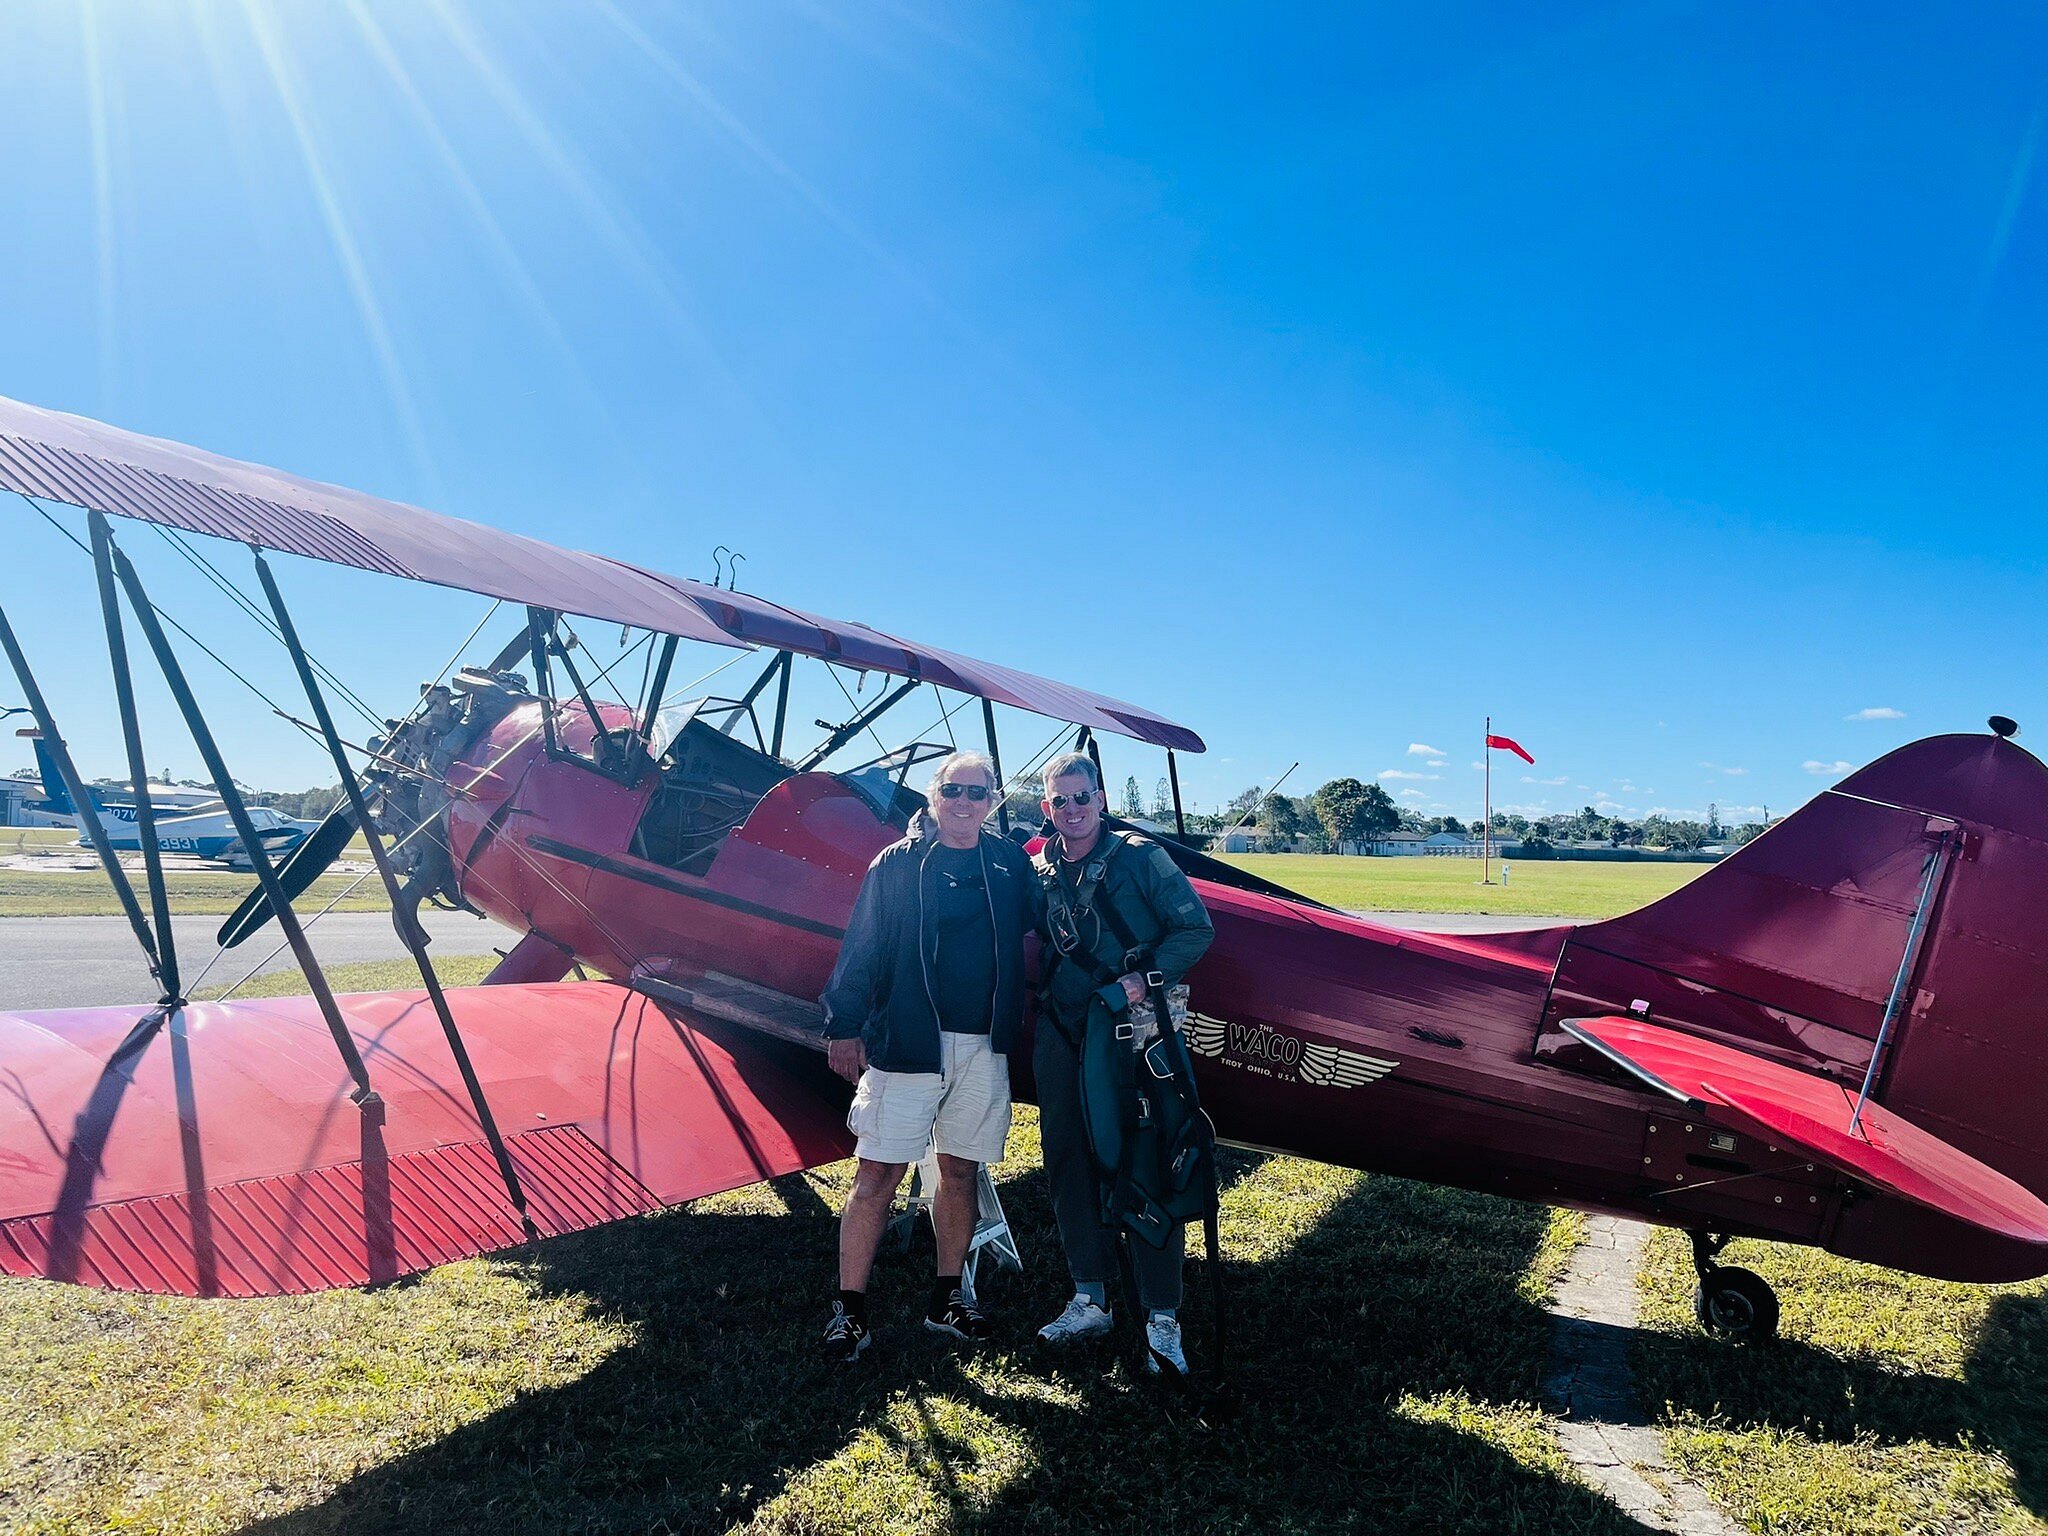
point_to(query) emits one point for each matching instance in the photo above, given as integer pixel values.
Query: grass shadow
(1838, 1399)
(1357, 1349)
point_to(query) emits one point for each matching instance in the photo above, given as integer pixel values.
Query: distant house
(15, 795)
(1392, 845)
(1462, 845)
(1252, 840)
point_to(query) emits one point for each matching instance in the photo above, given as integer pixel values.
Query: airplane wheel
(1737, 1305)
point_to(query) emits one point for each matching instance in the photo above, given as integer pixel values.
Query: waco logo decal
(1268, 1052)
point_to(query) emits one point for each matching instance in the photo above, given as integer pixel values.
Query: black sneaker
(959, 1317)
(845, 1336)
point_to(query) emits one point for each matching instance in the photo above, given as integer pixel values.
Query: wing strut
(861, 720)
(995, 756)
(231, 797)
(74, 786)
(404, 904)
(138, 768)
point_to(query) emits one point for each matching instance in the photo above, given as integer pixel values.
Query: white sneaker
(1083, 1319)
(1162, 1341)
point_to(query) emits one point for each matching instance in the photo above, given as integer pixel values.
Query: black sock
(855, 1305)
(942, 1291)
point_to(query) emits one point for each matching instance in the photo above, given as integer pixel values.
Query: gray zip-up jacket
(882, 989)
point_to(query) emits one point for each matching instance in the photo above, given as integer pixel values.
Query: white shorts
(963, 1110)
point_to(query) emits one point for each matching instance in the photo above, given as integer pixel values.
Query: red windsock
(1509, 744)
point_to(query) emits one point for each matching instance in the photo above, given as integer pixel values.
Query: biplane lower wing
(218, 1152)
(1814, 1115)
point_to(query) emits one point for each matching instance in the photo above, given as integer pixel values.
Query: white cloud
(1434, 762)
(1560, 779)
(1734, 773)
(1884, 713)
(1417, 749)
(1414, 794)
(1402, 773)
(1833, 770)
(1479, 767)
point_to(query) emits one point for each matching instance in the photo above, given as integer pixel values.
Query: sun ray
(627, 242)
(781, 169)
(515, 269)
(354, 270)
(105, 311)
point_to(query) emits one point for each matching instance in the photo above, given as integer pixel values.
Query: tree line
(1351, 810)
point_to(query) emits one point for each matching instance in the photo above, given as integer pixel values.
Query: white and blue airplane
(188, 821)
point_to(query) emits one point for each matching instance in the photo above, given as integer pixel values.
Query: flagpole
(1486, 826)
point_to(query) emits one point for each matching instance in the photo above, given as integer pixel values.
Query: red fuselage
(1326, 1036)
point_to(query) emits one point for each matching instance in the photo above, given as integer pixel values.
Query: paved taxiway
(83, 962)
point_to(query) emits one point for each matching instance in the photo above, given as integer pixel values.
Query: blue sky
(1666, 381)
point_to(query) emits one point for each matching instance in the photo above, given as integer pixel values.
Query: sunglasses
(971, 791)
(1084, 799)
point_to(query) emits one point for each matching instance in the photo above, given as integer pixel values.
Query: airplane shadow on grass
(2001, 1402)
(721, 1404)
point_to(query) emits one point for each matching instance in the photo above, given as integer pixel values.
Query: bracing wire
(181, 629)
(349, 889)
(241, 600)
(850, 704)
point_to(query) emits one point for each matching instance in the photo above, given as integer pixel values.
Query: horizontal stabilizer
(1812, 1114)
(219, 1152)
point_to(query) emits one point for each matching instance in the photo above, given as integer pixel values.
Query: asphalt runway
(83, 962)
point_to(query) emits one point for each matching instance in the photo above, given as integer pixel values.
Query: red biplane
(1835, 1036)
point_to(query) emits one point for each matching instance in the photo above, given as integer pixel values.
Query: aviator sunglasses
(971, 791)
(1083, 799)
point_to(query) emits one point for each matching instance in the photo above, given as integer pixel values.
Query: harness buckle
(1126, 1031)
(1155, 980)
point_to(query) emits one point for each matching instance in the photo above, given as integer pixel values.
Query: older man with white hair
(922, 1010)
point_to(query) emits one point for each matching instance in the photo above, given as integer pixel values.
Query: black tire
(1737, 1305)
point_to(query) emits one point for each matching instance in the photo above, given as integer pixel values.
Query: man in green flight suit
(1088, 871)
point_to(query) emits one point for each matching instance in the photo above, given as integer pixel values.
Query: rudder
(1794, 945)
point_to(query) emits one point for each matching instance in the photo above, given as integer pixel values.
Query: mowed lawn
(1546, 888)
(87, 893)
(1889, 1403)
(1551, 889)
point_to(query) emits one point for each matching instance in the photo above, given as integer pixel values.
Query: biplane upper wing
(85, 463)
(218, 1152)
(1813, 1114)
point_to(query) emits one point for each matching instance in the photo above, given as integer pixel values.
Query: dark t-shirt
(964, 941)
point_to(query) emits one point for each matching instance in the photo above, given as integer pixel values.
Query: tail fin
(55, 797)
(1916, 888)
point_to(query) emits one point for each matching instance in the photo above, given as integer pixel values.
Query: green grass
(365, 976)
(36, 839)
(1554, 888)
(1890, 1404)
(658, 1374)
(86, 893)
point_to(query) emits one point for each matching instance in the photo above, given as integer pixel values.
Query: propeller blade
(301, 867)
(517, 649)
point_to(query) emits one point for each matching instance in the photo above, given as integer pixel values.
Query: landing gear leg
(1733, 1304)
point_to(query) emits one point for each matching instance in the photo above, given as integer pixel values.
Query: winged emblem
(1332, 1066)
(1205, 1036)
